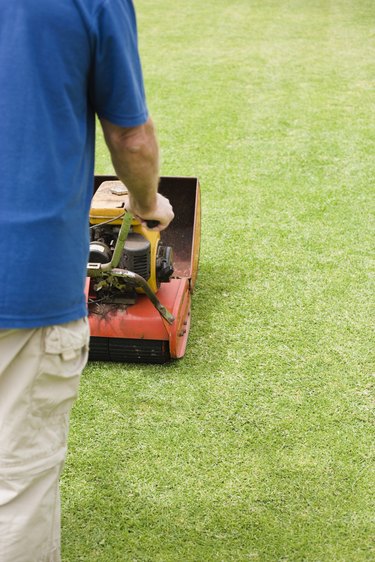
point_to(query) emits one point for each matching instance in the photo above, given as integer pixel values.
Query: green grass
(258, 445)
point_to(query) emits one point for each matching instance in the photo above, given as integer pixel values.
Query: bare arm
(135, 156)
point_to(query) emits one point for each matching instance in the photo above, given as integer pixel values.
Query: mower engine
(142, 253)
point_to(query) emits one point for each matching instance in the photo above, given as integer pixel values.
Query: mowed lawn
(258, 445)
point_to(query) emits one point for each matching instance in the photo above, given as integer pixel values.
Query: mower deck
(137, 332)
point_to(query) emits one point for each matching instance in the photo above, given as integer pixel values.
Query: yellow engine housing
(109, 203)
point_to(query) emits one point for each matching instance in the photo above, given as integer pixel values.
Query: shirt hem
(9, 323)
(124, 121)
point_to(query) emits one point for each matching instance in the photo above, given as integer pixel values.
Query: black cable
(107, 222)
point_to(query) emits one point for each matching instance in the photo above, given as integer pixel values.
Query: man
(61, 63)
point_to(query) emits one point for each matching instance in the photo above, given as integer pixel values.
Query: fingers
(158, 218)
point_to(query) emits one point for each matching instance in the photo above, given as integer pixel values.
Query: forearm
(135, 158)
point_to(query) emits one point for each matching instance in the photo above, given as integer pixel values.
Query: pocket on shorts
(64, 356)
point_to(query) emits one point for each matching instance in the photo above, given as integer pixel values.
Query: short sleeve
(117, 89)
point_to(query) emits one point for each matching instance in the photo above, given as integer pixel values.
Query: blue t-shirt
(61, 61)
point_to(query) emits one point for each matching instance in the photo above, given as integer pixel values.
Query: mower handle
(152, 224)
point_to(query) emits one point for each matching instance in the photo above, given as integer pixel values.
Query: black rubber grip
(152, 224)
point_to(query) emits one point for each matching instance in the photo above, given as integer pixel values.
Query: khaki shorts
(39, 377)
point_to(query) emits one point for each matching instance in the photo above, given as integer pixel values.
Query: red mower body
(137, 332)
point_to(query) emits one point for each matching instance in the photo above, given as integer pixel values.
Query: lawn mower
(139, 281)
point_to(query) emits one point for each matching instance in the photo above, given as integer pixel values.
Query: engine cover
(136, 256)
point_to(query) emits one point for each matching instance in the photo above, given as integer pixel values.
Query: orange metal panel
(142, 321)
